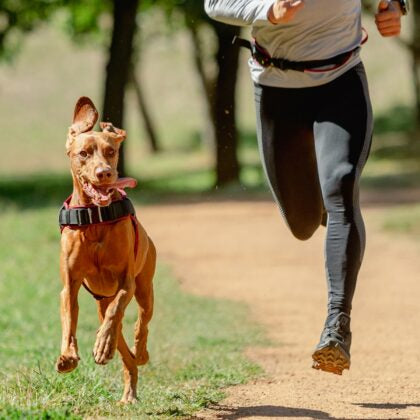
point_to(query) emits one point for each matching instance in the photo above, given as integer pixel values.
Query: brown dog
(104, 248)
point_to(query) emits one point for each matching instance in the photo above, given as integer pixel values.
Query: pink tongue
(122, 183)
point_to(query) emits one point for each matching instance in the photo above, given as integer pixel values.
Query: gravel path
(243, 251)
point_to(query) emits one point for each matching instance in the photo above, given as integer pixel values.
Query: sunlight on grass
(196, 344)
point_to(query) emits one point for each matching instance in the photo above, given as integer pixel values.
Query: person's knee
(338, 190)
(304, 228)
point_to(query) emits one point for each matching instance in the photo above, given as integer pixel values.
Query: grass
(403, 219)
(196, 343)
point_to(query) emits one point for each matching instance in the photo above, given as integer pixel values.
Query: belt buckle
(263, 61)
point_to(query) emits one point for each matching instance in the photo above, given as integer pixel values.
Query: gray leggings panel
(314, 143)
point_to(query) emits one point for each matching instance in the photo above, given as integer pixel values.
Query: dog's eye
(83, 153)
(111, 152)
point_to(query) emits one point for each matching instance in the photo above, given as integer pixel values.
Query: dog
(104, 248)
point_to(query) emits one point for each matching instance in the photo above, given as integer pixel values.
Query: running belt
(261, 56)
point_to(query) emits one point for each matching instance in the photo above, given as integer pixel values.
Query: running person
(314, 127)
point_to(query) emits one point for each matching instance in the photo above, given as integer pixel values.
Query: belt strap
(264, 59)
(85, 216)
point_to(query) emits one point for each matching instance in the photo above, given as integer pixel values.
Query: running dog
(104, 248)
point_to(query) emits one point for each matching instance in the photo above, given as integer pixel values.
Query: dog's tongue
(122, 183)
(102, 196)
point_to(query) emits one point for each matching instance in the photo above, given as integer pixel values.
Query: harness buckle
(90, 215)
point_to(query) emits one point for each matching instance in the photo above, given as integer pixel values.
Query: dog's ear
(85, 116)
(84, 119)
(118, 134)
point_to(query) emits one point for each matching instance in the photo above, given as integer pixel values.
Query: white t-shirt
(321, 29)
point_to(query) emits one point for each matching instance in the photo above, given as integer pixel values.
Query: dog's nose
(103, 173)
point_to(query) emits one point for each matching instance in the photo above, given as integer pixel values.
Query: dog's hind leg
(129, 363)
(144, 297)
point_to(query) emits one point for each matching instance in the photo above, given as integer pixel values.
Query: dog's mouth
(101, 195)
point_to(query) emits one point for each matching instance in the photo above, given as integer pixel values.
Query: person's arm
(253, 12)
(388, 18)
(239, 12)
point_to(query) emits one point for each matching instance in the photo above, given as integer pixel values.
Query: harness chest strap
(93, 215)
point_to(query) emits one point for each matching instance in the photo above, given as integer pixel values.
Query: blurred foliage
(399, 119)
(81, 19)
(193, 9)
(18, 17)
(85, 18)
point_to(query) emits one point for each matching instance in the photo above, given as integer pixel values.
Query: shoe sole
(331, 359)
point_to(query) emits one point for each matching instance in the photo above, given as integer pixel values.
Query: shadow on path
(271, 411)
(388, 406)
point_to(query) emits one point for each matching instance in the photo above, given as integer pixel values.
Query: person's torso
(321, 29)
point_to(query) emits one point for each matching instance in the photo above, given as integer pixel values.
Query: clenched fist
(284, 11)
(388, 18)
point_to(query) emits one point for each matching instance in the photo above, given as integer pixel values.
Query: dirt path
(242, 251)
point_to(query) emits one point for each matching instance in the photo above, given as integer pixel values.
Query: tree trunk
(207, 85)
(416, 57)
(223, 101)
(117, 70)
(144, 111)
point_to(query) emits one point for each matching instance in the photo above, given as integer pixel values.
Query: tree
(219, 90)
(223, 104)
(119, 64)
(415, 50)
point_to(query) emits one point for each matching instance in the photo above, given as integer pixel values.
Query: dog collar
(93, 215)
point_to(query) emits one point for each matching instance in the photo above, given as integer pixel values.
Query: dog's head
(94, 155)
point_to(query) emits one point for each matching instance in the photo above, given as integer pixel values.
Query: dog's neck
(80, 199)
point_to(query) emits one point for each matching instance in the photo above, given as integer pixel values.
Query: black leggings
(314, 143)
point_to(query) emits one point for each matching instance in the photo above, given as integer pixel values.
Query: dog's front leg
(107, 336)
(69, 310)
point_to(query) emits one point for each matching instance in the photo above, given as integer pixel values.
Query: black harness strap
(85, 216)
(264, 59)
(95, 296)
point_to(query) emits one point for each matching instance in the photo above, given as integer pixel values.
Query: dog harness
(76, 217)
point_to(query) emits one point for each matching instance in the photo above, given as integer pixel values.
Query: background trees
(114, 25)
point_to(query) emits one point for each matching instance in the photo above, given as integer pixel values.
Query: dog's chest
(96, 251)
(104, 272)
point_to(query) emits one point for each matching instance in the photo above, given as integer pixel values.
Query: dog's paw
(129, 398)
(140, 353)
(66, 364)
(142, 358)
(105, 345)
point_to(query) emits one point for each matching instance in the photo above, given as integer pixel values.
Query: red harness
(66, 205)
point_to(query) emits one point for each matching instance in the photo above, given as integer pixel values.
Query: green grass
(403, 219)
(196, 343)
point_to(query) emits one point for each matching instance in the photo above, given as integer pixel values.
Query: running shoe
(332, 354)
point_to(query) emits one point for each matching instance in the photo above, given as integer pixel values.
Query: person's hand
(388, 18)
(283, 11)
